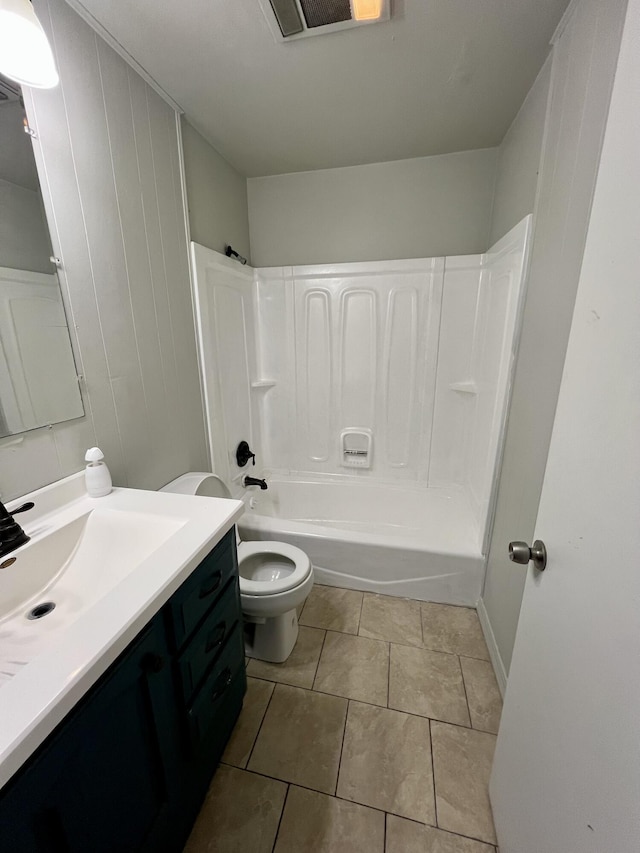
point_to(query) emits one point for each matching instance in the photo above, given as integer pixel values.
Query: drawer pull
(216, 637)
(222, 682)
(214, 583)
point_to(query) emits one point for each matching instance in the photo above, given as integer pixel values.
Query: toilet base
(272, 639)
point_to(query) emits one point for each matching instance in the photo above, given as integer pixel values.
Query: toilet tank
(200, 483)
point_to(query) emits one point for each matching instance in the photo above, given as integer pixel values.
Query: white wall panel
(227, 343)
(498, 319)
(364, 339)
(107, 155)
(455, 390)
(315, 361)
(358, 358)
(482, 305)
(400, 368)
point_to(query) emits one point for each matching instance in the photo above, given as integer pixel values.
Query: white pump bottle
(97, 476)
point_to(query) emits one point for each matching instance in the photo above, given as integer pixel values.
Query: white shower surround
(419, 352)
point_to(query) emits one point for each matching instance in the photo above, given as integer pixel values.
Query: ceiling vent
(294, 19)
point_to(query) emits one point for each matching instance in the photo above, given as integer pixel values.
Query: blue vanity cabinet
(102, 781)
(128, 768)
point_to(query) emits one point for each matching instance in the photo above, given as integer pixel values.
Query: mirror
(38, 376)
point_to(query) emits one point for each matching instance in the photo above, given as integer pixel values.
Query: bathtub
(409, 541)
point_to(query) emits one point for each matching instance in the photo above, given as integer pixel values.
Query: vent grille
(289, 20)
(321, 13)
(287, 16)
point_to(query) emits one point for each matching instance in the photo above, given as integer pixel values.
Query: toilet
(275, 579)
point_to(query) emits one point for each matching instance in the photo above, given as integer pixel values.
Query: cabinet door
(104, 782)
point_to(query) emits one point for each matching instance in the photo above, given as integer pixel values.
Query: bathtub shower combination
(374, 396)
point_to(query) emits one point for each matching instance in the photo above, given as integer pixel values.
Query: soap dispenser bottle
(97, 476)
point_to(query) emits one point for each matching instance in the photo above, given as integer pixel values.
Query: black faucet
(254, 481)
(12, 536)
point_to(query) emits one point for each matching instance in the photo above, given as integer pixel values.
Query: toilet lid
(269, 567)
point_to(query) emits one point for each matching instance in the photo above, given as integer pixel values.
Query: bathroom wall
(108, 150)
(584, 61)
(518, 162)
(216, 194)
(424, 207)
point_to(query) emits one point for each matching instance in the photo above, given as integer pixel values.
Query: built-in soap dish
(355, 447)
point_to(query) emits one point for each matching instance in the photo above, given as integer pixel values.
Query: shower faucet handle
(244, 454)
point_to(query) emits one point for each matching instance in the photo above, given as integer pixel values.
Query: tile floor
(376, 736)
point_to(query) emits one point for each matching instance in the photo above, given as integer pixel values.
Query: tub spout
(254, 481)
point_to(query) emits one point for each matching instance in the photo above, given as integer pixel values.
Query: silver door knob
(520, 552)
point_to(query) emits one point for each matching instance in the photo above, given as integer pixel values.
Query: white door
(566, 777)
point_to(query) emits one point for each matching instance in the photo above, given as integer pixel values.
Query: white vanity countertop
(42, 693)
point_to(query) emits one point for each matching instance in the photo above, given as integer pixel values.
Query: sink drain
(41, 610)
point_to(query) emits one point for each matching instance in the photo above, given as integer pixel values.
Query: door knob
(520, 552)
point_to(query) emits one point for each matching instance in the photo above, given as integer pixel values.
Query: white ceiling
(441, 76)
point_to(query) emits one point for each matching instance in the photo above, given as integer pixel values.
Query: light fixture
(366, 10)
(25, 53)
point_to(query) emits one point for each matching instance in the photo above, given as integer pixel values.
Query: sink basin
(71, 567)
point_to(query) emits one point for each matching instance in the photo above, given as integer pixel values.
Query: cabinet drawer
(205, 646)
(210, 699)
(201, 590)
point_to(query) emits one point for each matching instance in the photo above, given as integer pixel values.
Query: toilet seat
(275, 579)
(289, 567)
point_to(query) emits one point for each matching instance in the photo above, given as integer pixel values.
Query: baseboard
(494, 653)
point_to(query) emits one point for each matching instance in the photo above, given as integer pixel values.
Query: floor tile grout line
(255, 740)
(284, 805)
(355, 802)
(433, 774)
(384, 839)
(466, 695)
(446, 831)
(389, 676)
(371, 704)
(344, 734)
(315, 674)
(418, 601)
(360, 614)
(404, 643)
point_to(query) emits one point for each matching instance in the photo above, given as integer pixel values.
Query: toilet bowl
(275, 579)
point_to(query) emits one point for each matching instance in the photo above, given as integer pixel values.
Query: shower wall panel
(225, 318)
(481, 306)
(418, 354)
(357, 347)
